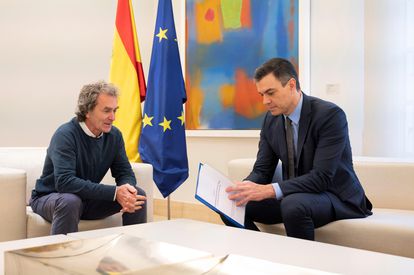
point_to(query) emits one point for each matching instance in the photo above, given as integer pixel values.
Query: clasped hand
(243, 192)
(127, 197)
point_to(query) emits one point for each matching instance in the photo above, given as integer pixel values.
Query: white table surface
(222, 240)
(27, 243)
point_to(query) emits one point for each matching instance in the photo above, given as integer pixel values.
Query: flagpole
(168, 208)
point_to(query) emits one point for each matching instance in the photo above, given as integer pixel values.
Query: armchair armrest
(143, 174)
(12, 204)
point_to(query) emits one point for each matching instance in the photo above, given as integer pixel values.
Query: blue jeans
(64, 210)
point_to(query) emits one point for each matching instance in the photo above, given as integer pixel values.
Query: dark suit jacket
(324, 157)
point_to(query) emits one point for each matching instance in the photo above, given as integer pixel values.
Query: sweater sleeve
(63, 152)
(121, 168)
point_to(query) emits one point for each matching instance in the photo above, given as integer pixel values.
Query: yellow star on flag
(182, 118)
(166, 124)
(162, 34)
(147, 120)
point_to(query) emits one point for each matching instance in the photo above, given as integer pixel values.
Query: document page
(211, 191)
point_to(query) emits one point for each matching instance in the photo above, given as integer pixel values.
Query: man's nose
(266, 100)
(112, 116)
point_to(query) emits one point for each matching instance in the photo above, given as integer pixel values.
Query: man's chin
(107, 129)
(274, 112)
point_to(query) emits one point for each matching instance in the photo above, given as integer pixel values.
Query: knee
(293, 207)
(252, 208)
(69, 203)
(140, 191)
(140, 215)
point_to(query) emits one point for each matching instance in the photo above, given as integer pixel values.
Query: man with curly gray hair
(79, 155)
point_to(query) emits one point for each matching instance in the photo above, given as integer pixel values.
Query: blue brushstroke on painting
(282, 39)
(211, 82)
(228, 119)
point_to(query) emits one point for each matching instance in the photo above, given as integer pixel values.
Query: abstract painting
(226, 40)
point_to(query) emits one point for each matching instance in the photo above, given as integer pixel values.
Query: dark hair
(88, 97)
(281, 68)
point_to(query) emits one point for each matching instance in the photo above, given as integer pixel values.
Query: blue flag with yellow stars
(162, 142)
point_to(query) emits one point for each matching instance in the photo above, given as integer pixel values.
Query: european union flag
(162, 141)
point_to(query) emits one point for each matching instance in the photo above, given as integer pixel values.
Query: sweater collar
(87, 131)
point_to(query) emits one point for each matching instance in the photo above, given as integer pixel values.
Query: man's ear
(292, 84)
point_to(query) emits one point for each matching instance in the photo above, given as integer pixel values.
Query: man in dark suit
(310, 137)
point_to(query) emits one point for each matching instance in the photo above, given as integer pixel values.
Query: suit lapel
(304, 122)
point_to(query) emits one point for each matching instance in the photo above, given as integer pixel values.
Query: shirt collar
(87, 131)
(295, 115)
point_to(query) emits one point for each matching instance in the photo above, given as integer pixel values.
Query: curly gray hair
(88, 97)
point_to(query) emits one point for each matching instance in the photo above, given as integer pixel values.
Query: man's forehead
(106, 97)
(107, 101)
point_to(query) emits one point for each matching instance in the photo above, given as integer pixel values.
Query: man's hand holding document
(211, 191)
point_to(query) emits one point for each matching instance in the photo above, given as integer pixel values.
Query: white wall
(49, 49)
(337, 59)
(385, 85)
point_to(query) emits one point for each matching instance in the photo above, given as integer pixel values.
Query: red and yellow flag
(127, 74)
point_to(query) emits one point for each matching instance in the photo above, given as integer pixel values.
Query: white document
(211, 191)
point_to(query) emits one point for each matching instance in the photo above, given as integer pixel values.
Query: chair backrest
(29, 159)
(388, 183)
(238, 169)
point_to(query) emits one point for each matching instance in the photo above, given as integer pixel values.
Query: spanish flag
(127, 74)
